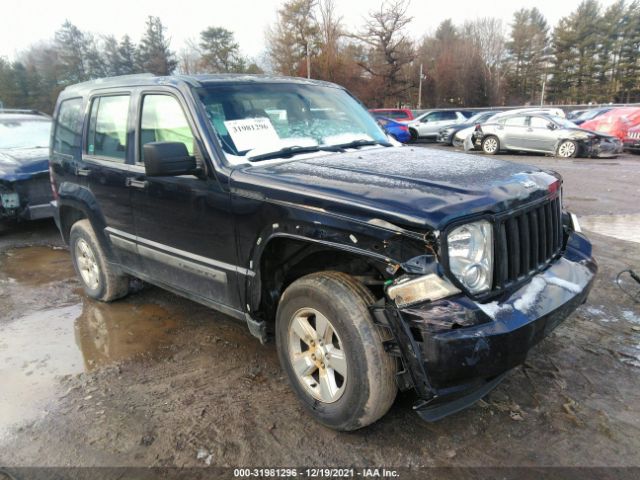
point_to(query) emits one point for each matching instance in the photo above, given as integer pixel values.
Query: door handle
(82, 172)
(132, 182)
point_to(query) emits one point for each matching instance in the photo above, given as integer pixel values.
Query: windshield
(589, 114)
(272, 120)
(24, 133)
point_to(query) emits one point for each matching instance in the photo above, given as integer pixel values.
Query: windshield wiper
(285, 152)
(358, 144)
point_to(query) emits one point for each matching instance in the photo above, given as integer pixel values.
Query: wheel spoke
(323, 328)
(328, 387)
(337, 361)
(303, 329)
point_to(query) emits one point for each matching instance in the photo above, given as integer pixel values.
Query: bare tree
(189, 58)
(487, 36)
(390, 49)
(331, 31)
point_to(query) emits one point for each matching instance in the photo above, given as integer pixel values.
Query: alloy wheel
(87, 264)
(317, 355)
(490, 145)
(567, 149)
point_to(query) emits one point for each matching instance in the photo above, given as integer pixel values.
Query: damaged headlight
(429, 287)
(470, 249)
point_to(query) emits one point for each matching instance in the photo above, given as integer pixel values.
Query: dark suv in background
(281, 203)
(25, 189)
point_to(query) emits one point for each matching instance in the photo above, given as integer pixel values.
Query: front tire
(332, 352)
(98, 277)
(490, 145)
(567, 149)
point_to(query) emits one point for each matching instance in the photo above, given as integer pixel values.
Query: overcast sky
(28, 21)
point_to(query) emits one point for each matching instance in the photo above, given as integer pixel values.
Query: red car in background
(617, 122)
(631, 140)
(398, 114)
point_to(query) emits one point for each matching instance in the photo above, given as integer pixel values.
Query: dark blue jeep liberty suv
(280, 202)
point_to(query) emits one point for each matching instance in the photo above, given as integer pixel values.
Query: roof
(146, 79)
(23, 115)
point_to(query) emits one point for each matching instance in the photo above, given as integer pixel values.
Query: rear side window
(163, 120)
(448, 116)
(516, 122)
(107, 135)
(68, 128)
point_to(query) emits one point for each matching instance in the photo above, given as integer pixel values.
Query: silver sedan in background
(543, 133)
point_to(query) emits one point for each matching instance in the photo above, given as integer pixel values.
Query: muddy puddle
(622, 227)
(54, 334)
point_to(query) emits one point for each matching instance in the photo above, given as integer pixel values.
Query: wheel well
(69, 216)
(285, 260)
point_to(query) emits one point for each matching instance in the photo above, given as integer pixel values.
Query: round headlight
(470, 249)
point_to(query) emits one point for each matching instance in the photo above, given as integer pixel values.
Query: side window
(163, 120)
(107, 136)
(449, 116)
(432, 117)
(516, 122)
(539, 122)
(66, 139)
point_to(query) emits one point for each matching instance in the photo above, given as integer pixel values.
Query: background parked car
(545, 134)
(460, 136)
(631, 140)
(615, 122)
(590, 115)
(446, 134)
(25, 189)
(403, 114)
(397, 130)
(574, 114)
(429, 124)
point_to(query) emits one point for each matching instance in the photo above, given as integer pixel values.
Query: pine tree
(220, 51)
(71, 44)
(127, 57)
(153, 53)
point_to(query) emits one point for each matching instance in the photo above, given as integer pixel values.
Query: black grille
(526, 242)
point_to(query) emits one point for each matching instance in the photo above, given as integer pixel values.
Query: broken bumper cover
(456, 350)
(604, 148)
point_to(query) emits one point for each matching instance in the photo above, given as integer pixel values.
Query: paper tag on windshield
(250, 133)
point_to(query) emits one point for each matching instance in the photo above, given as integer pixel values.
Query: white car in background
(428, 125)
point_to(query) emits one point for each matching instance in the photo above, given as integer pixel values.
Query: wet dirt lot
(156, 380)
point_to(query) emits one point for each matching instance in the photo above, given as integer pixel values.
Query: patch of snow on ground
(630, 316)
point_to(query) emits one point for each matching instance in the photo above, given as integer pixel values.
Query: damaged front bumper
(603, 148)
(26, 200)
(455, 350)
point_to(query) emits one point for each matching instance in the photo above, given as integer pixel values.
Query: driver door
(541, 137)
(183, 223)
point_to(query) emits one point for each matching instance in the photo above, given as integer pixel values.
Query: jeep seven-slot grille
(526, 242)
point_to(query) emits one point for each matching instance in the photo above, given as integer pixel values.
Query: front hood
(415, 188)
(581, 133)
(23, 163)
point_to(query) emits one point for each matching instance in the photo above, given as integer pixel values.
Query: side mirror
(551, 126)
(164, 159)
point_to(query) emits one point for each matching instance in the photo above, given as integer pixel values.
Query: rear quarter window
(68, 127)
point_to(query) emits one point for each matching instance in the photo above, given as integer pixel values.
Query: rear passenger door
(515, 132)
(107, 157)
(184, 223)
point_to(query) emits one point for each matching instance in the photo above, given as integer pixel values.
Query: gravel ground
(154, 380)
